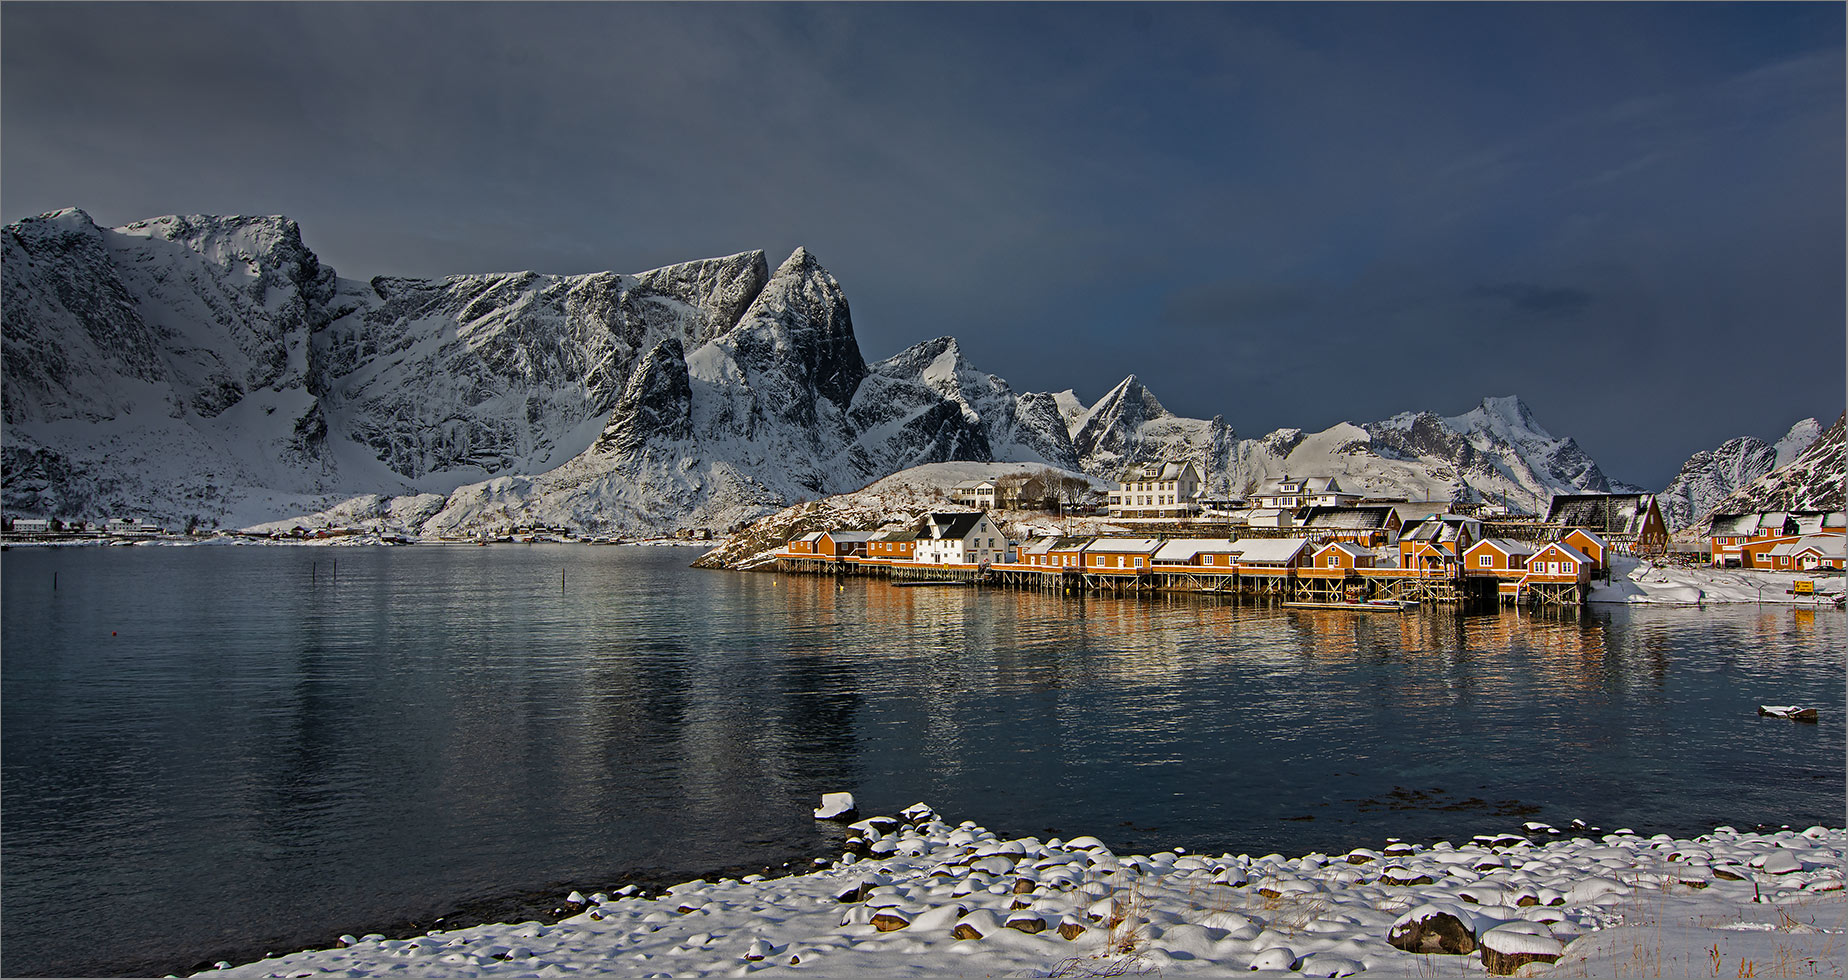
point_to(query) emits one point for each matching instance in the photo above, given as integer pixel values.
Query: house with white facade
(974, 493)
(1296, 494)
(959, 539)
(1158, 490)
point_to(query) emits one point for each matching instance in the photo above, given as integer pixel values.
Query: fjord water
(215, 752)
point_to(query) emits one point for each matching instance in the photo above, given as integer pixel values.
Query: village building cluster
(1782, 541)
(1307, 539)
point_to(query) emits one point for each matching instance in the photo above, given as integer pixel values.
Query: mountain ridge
(211, 369)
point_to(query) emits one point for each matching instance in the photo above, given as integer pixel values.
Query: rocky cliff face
(1710, 476)
(1811, 481)
(212, 368)
(1497, 451)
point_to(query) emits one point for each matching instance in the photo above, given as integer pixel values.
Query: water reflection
(265, 756)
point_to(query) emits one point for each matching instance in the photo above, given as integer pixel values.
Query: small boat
(1789, 711)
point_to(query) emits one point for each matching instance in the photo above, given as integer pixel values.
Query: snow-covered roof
(1566, 550)
(1270, 551)
(1596, 538)
(1733, 525)
(1349, 518)
(1419, 510)
(1345, 548)
(1046, 544)
(1124, 546)
(1621, 513)
(852, 537)
(1822, 544)
(811, 536)
(1181, 551)
(1506, 546)
(1158, 472)
(949, 526)
(897, 534)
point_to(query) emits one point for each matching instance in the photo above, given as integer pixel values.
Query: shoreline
(914, 895)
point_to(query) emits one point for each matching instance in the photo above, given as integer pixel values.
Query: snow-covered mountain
(1710, 476)
(1814, 480)
(212, 369)
(1497, 451)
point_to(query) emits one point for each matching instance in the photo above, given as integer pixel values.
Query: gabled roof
(811, 536)
(974, 484)
(1164, 472)
(1621, 513)
(1566, 551)
(1828, 545)
(852, 537)
(1345, 548)
(1123, 546)
(1350, 518)
(1181, 551)
(1506, 546)
(1596, 538)
(1055, 542)
(1810, 521)
(948, 526)
(1418, 510)
(1270, 551)
(897, 534)
(1733, 525)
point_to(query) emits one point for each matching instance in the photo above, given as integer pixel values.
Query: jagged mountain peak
(1800, 436)
(703, 392)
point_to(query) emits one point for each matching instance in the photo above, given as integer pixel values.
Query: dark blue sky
(1632, 216)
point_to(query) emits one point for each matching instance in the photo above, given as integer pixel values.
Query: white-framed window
(1138, 562)
(1484, 561)
(1208, 560)
(1565, 568)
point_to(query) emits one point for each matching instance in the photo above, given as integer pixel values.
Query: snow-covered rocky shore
(1642, 582)
(917, 896)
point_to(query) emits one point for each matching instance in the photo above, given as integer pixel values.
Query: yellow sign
(1803, 586)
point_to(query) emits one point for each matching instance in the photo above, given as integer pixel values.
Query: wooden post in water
(312, 568)
(561, 581)
(54, 581)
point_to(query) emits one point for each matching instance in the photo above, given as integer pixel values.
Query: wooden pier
(1334, 587)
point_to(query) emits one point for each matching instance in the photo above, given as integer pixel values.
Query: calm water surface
(215, 752)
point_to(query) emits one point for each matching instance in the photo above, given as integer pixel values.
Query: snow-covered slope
(1812, 481)
(1497, 451)
(211, 368)
(1710, 476)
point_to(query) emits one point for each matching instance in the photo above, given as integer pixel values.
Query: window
(1565, 568)
(1483, 561)
(1208, 560)
(1138, 562)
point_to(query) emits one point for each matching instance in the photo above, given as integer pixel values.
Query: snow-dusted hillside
(897, 501)
(1710, 476)
(1814, 480)
(1497, 451)
(211, 369)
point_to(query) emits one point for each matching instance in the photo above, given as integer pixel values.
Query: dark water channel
(215, 752)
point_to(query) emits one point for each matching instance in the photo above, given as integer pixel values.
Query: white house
(1157, 490)
(1315, 491)
(974, 493)
(959, 539)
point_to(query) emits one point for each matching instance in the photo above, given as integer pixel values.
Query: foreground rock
(957, 900)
